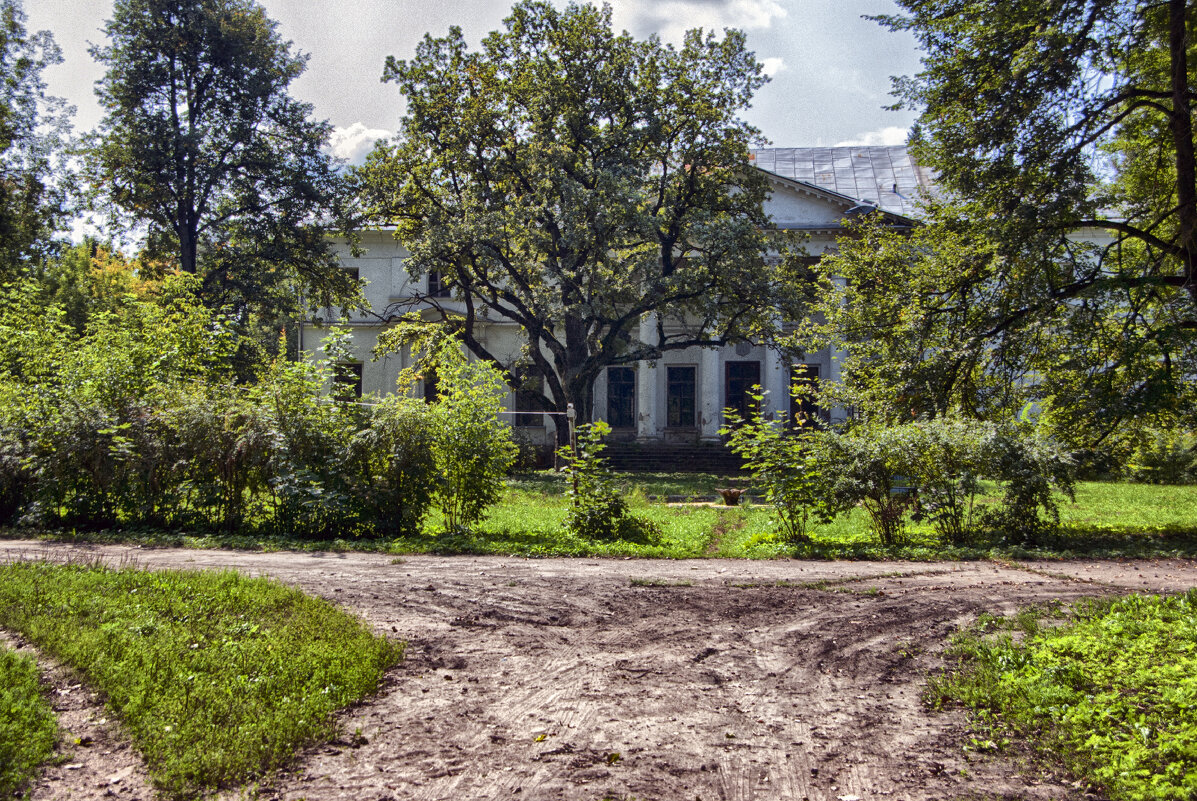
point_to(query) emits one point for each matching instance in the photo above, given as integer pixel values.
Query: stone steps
(653, 457)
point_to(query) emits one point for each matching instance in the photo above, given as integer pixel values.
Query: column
(710, 390)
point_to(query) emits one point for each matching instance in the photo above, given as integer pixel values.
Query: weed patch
(218, 678)
(1110, 690)
(28, 729)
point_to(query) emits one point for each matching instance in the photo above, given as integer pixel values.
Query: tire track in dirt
(559, 679)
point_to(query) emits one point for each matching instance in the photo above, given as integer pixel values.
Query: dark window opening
(430, 388)
(742, 380)
(804, 384)
(349, 374)
(680, 397)
(439, 284)
(621, 397)
(525, 403)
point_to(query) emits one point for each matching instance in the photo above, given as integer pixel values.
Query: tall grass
(217, 677)
(28, 728)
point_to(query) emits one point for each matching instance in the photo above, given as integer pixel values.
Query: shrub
(392, 467)
(1164, 456)
(1029, 467)
(792, 469)
(946, 465)
(597, 510)
(473, 451)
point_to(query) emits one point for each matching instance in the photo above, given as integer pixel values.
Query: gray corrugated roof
(884, 175)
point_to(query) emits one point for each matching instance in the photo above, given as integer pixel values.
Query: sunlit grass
(1112, 693)
(218, 678)
(28, 728)
(1107, 520)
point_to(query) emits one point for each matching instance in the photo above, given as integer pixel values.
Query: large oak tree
(1057, 266)
(577, 182)
(204, 147)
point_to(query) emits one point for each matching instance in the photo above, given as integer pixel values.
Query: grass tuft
(28, 728)
(218, 678)
(1110, 691)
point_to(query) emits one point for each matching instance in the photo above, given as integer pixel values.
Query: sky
(830, 68)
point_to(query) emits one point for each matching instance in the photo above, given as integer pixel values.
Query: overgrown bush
(393, 467)
(597, 510)
(141, 420)
(791, 466)
(1029, 467)
(1163, 456)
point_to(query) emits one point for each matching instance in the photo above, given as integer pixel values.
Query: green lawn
(217, 677)
(28, 728)
(1107, 520)
(1110, 691)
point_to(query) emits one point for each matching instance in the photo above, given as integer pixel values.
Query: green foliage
(202, 144)
(598, 511)
(1056, 263)
(139, 422)
(28, 728)
(791, 466)
(1029, 467)
(1110, 693)
(217, 678)
(33, 130)
(1164, 456)
(472, 451)
(575, 181)
(398, 471)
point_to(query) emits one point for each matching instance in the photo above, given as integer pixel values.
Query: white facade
(677, 398)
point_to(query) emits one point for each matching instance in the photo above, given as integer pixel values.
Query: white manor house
(678, 398)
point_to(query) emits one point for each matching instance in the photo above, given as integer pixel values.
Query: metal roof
(883, 175)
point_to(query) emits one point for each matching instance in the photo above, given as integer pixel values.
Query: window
(429, 385)
(525, 403)
(621, 397)
(805, 378)
(349, 374)
(354, 273)
(680, 397)
(740, 379)
(439, 284)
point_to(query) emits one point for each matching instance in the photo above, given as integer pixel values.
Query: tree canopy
(587, 186)
(204, 147)
(32, 129)
(1057, 265)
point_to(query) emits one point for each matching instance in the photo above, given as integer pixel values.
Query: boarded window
(804, 383)
(741, 379)
(430, 387)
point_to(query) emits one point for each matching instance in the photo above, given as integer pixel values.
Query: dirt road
(636, 679)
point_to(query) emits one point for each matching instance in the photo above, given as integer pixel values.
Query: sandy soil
(636, 679)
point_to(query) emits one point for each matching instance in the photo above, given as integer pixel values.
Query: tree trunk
(1182, 137)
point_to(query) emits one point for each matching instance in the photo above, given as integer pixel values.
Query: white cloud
(892, 135)
(353, 143)
(672, 18)
(773, 65)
